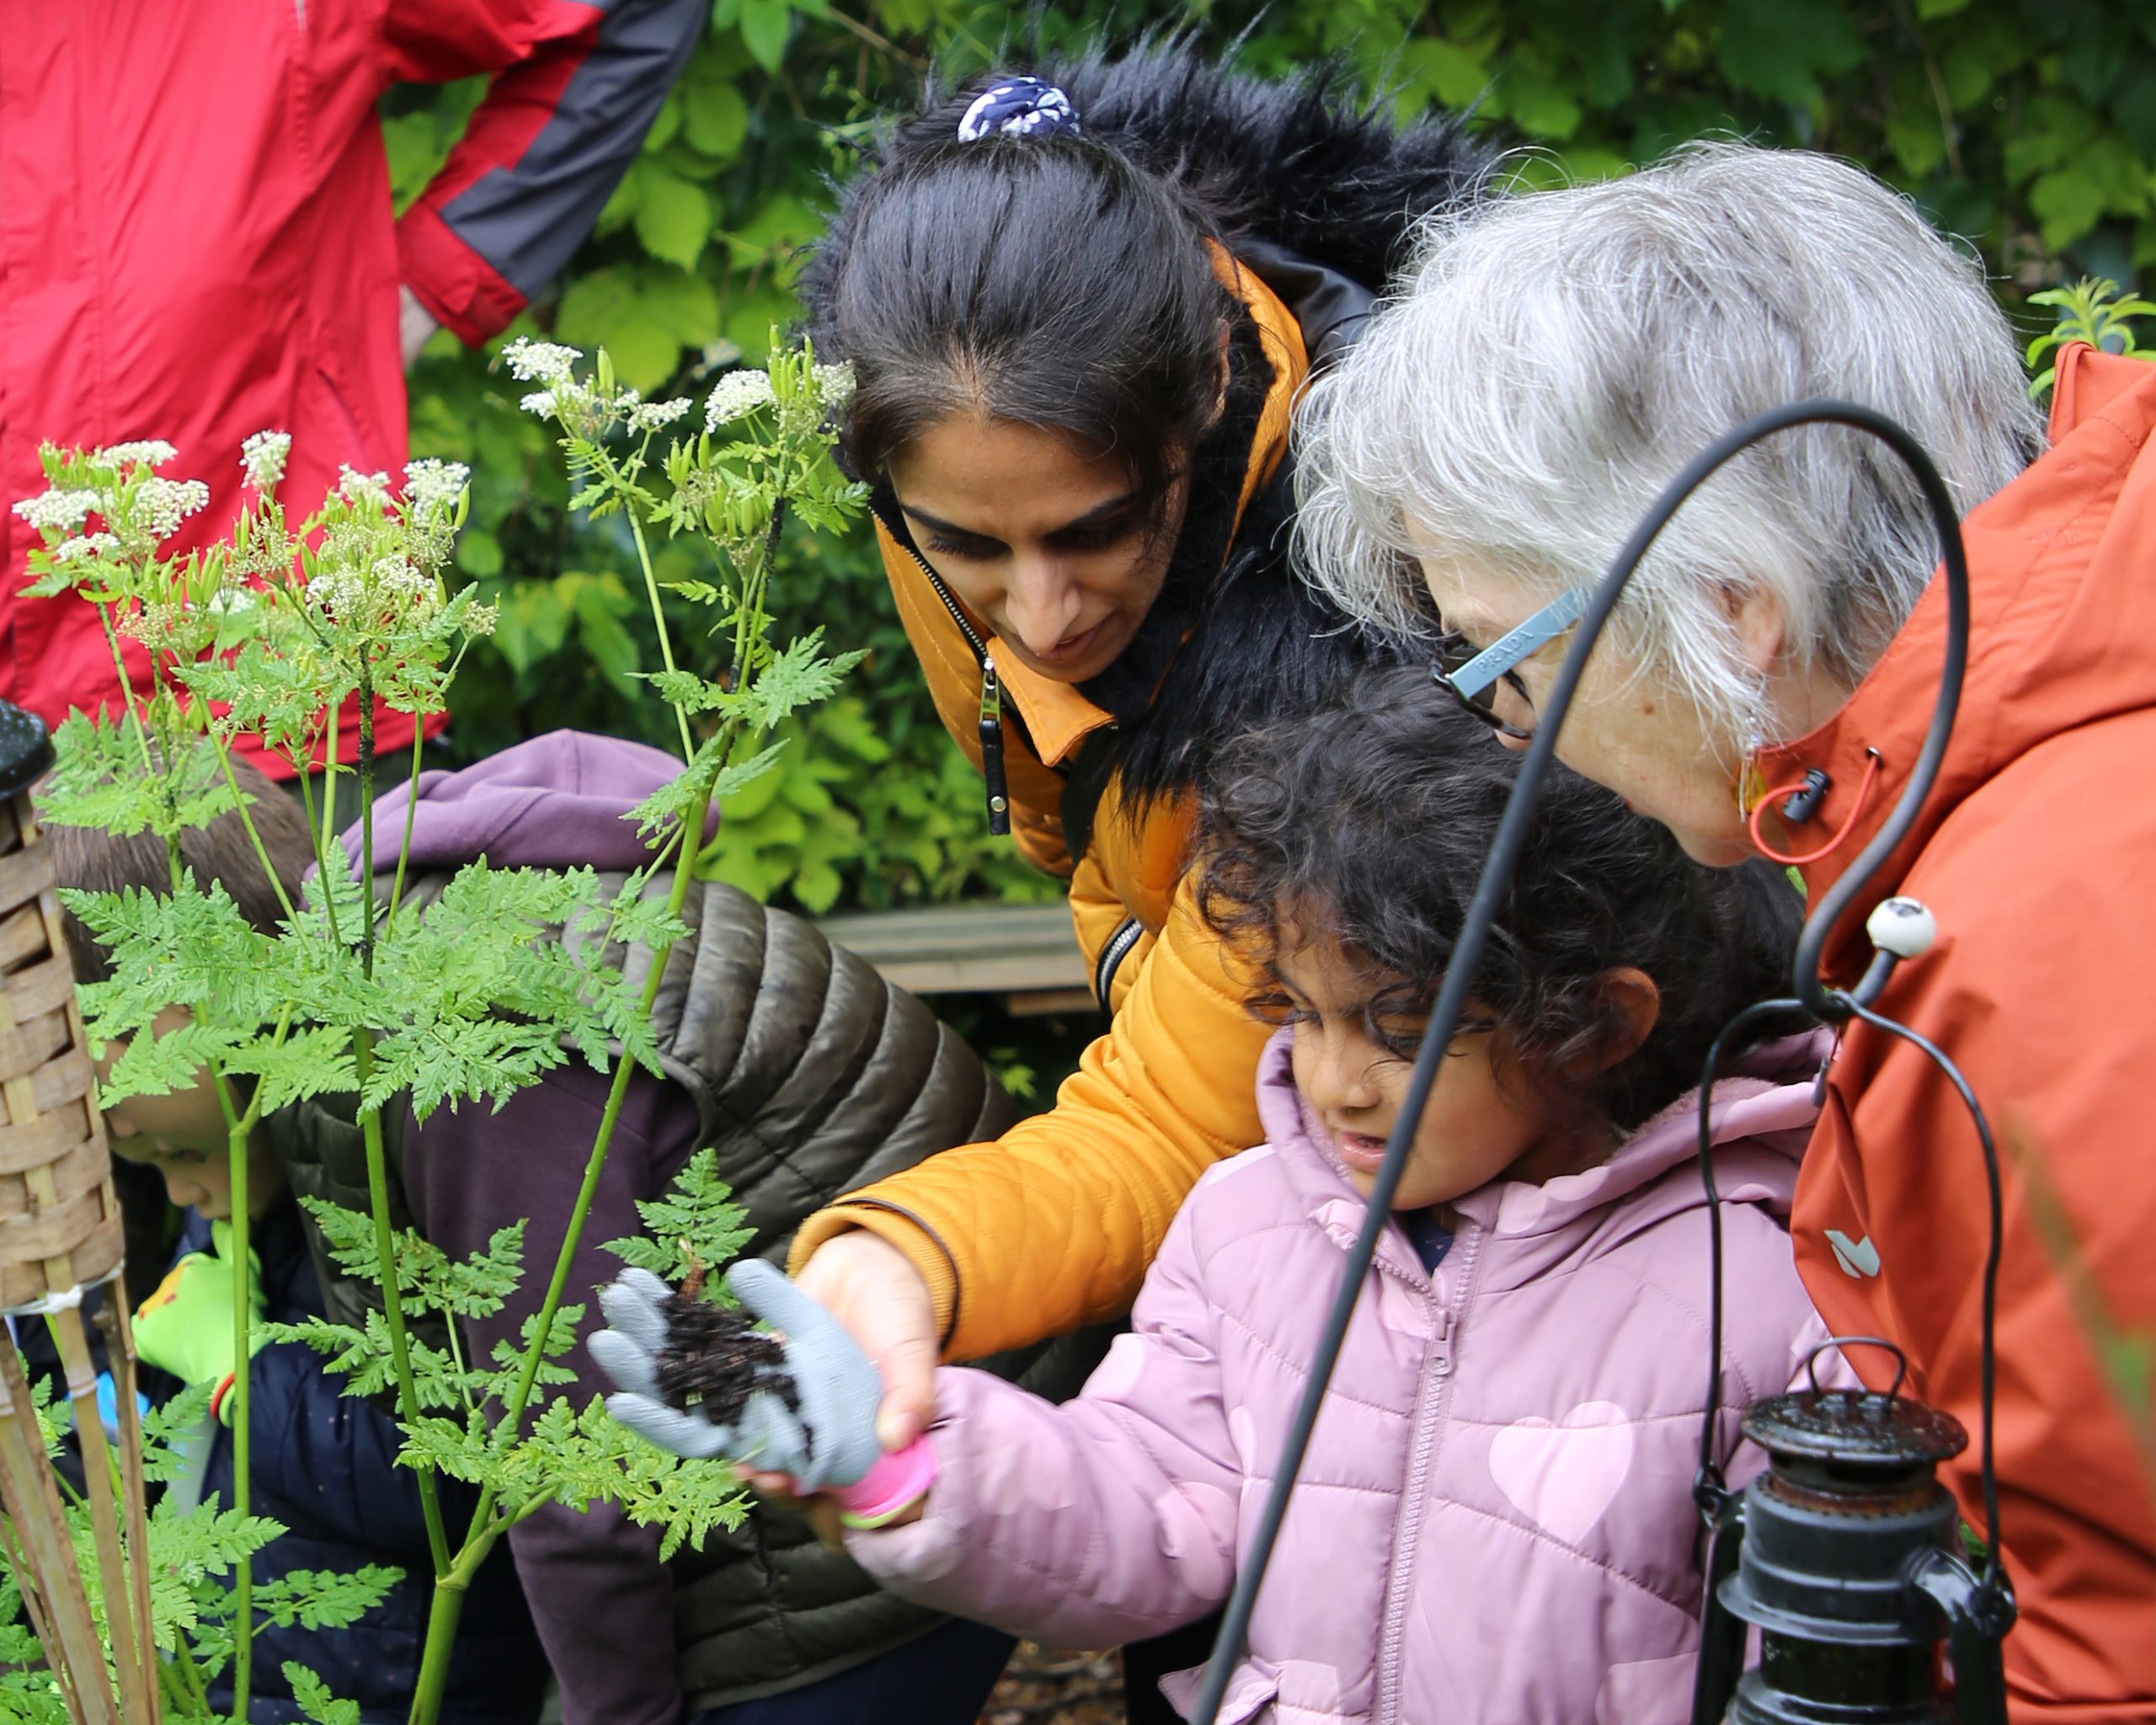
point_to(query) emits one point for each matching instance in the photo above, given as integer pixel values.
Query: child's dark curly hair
(1365, 825)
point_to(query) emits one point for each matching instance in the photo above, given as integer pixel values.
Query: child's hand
(186, 1326)
(872, 1288)
(828, 1443)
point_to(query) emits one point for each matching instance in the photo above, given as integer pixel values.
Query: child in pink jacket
(1494, 1522)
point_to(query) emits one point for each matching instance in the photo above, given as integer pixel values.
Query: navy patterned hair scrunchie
(1019, 108)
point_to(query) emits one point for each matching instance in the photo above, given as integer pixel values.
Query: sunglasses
(1472, 677)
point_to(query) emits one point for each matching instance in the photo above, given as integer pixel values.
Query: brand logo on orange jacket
(1857, 1258)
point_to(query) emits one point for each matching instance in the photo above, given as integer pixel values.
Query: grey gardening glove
(830, 1442)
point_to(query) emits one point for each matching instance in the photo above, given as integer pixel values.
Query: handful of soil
(715, 1358)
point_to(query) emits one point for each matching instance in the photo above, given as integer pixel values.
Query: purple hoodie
(603, 1602)
(1494, 1520)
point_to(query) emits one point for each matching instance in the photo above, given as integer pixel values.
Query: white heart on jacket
(1563, 1476)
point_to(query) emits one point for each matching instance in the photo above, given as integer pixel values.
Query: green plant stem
(484, 1529)
(392, 1302)
(321, 861)
(183, 1659)
(329, 778)
(238, 1400)
(385, 1237)
(658, 621)
(239, 1128)
(366, 820)
(410, 809)
(447, 1611)
(444, 1612)
(247, 821)
(175, 1692)
(127, 685)
(624, 1069)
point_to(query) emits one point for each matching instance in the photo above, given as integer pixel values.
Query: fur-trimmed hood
(1302, 164)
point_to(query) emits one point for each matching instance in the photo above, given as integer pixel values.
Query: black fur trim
(1265, 649)
(1236, 640)
(1300, 163)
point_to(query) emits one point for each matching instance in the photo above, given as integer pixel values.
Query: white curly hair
(1550, 360)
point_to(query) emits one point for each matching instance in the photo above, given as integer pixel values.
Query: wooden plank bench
(1026, 953)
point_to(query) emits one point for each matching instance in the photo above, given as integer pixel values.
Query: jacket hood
(1312, 184)
(1761, 1117)
(558, 801)
(2062, 630)
(1301, 163)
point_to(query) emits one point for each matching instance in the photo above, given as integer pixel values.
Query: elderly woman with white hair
(1544, 369)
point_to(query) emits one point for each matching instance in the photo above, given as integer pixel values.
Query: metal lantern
(1845, 1555)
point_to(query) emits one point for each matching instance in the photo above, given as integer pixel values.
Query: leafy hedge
(2029, 126)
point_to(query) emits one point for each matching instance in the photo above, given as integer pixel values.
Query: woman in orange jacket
(1079, 306)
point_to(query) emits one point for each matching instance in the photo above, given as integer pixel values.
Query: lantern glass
(1839, 1674)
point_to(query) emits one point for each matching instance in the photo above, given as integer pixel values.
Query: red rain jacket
(197, 242)
(2036, 852)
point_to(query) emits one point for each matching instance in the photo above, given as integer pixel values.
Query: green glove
(186, 1326)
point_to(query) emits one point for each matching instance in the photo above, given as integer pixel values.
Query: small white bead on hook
(1902, 926)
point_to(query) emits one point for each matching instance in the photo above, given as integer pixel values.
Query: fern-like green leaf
(694, 1225)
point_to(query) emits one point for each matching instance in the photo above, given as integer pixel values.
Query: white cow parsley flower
(335, 591)
(738, 394)
(81, 550)
(540, 402)
(162, 505)
(264, 456)
(58, 511)
(540, 361)
(434, 484)
(834, 385)
(658, 415)
(397, 577)
(362, 487)
(148, 452)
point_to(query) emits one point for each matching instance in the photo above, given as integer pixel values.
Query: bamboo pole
(119, 1358)
(60, 1237)
(32, 1499)
(138, 1699)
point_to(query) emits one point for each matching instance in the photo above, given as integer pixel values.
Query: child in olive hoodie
(321, 1463)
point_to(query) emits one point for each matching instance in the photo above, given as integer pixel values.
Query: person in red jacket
(197, 241)
(1547, 366)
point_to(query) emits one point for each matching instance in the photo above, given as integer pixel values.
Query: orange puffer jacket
(1061, 1215)
(2036, 853)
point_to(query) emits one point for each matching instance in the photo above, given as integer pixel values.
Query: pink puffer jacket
(1494, 1520)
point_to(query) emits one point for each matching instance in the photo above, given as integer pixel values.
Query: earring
(1751, 782)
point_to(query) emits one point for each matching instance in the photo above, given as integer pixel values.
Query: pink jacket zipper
(1432, 1402)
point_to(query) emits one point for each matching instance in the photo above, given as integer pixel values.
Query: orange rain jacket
(2036, 852)
(1061, 1215)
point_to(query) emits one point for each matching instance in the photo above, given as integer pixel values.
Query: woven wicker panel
(59, 1219)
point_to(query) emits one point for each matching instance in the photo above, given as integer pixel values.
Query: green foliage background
(2028, 125)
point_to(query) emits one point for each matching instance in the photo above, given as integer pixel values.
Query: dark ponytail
(1044, 281)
